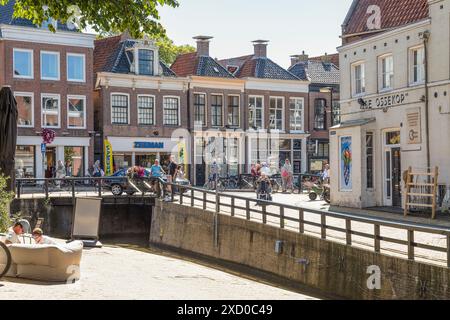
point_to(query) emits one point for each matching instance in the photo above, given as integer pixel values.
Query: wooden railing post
(348, 231)
(46, 188)
(247, 209)
(411, 244)
(323, 227)
(282, 217)
(204, 200)
(232, 206)
(448, 251)
(181, 197)
(192, 197)
(18, 188)
(99, 185)
(301, 221)
(264, 214)
(72, 182)
(377, 238)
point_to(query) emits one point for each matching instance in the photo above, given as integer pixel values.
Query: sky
(291, 25)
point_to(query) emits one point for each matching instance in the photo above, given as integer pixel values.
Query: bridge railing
(297, 218)
(88, 186)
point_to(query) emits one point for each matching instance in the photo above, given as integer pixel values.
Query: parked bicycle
(5, 258)
(228, 183)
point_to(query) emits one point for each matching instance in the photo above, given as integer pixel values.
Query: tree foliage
(137, 16)
(5, 200)
(168, 51)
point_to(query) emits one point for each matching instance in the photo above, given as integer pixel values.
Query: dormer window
(146, 62)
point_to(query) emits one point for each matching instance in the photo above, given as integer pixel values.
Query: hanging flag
(108, 154)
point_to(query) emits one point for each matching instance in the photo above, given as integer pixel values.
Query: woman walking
(287, 176)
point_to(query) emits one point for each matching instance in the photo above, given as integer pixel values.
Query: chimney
(326, 59)
(260, 48)
(125, 36)
(299, 58)
(203, 45)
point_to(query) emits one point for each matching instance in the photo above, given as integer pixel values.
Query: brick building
(323, 102)
(140, 103)
(49, 74)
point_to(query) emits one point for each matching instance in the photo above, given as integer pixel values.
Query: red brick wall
(61, 87)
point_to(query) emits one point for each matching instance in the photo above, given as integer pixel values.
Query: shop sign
(413, 126)
(149, 145)
(384, 102)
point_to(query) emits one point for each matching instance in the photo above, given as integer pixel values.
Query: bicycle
(247, 183)
(5, 259)
(276, 182)
(227, 183)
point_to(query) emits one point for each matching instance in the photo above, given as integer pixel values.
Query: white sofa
(50, 263)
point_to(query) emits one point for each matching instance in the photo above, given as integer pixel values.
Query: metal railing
(90, 186)
(194, 195)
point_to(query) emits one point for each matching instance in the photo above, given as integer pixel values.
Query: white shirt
(12, 237)
(46, 240)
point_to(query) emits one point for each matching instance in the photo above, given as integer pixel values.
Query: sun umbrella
(8, 133)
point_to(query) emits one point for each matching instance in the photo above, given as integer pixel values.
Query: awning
(353, 123)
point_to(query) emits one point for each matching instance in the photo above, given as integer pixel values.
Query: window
(255, 118)
(359, 79)
(319, 114)
(387, 72)
(50, 111)
(200, 109)
(25, 108)
(171, 111)
(146, 110)
(119, 109)
(336, 112)
(76, 67)
(49, 65)
(369, 160)
(76, 112)
(296, 114)
(74, 161)
(418, 65)
(216, 111)
(233, 111)
(276, 113)
(323, 150)
(25, 164)
(23, 63)
(146, 58)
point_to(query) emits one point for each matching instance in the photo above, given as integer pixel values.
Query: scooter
(322, 190)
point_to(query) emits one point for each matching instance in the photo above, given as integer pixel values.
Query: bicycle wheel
(5, 259)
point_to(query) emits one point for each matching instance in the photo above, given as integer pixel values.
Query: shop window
(122, 161)
(25, 165)
(393, 138)
(74, 161)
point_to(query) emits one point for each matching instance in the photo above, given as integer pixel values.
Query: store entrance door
(392, 170)
(50, 162)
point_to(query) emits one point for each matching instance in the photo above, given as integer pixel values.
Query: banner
(108, 158)
(346, 167)
(182, 157)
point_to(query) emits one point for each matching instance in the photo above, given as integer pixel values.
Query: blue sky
(290, 25)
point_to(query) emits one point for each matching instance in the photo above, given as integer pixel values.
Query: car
(118, 183)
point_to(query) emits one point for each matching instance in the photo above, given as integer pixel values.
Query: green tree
(5, 200)
(137, 16)
(168, 51)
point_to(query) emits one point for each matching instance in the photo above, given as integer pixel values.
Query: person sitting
(38, 236)
(264, 189)
(13, 234)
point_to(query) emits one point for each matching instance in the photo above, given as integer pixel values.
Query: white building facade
(395, 91)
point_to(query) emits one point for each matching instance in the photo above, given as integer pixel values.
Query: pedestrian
(39, 238)
(172, 168)
(287, 175)
(156, 172)
(12, 237)
(326, 174)
(60, 173)
(97, 170)
(214, 174)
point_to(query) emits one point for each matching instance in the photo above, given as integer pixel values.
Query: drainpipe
(426, 36)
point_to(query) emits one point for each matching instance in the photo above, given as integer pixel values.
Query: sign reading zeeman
(385, 101)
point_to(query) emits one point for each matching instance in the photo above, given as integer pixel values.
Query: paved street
(120, 273)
